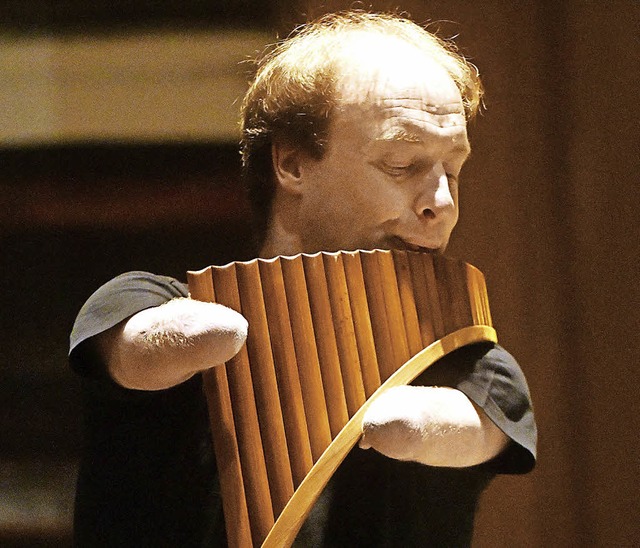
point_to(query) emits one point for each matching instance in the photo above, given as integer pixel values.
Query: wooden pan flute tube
(378, 309)
(313, 392)
(478, 296)
(431, 283)
(245, 416)
(265, 386)
(421, 296)
(345, 333)
(395, 316)
(221, 417)
(325, 334)
(454, 301)
(361, 322)
(408, 300)
(286, 367)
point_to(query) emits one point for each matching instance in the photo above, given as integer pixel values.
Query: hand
(437, 426)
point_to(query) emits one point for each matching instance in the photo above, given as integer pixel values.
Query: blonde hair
(294, 90)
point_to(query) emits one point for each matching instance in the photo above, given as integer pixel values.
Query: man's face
(389, 176)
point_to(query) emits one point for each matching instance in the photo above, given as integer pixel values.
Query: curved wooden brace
(288, 524)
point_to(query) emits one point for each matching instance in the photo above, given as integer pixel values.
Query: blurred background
(118, 151)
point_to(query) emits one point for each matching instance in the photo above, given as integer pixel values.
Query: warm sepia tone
(548, 213)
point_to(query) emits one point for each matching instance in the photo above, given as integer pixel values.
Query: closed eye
(398, 170)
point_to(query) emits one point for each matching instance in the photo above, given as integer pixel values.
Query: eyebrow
(400, 134)
(405, 135)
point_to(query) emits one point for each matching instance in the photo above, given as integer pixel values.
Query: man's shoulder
(142, 281)
(120, 298)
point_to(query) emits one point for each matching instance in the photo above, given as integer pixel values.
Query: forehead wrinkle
(411, 130)
(421, 104)
(395, 134)
(410, 116)
(416, 137)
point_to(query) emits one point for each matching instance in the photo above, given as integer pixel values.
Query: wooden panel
(151, 87)
(603, 157)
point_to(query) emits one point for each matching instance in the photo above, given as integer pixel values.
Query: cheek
(371, 203)
(327, 206)
(351, 195)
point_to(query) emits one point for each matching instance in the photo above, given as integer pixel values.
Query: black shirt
(148, 475)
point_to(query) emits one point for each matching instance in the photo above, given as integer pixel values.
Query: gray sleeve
(114, 302)
(489, 376)
(498, 386)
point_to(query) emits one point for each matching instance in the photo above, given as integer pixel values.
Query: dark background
(549, 213)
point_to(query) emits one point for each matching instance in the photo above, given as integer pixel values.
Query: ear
(287, 161)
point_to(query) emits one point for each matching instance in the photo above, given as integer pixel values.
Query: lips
(399, 243)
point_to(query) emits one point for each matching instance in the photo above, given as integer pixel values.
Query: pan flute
(327, 333)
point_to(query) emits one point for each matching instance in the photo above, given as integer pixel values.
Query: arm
(162, 346)
(436, 426)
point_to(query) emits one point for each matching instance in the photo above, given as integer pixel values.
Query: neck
(281, 238)
(277, 243)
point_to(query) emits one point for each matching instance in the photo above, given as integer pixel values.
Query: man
(354, 136)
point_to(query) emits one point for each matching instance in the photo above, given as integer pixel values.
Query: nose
(435, 198)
